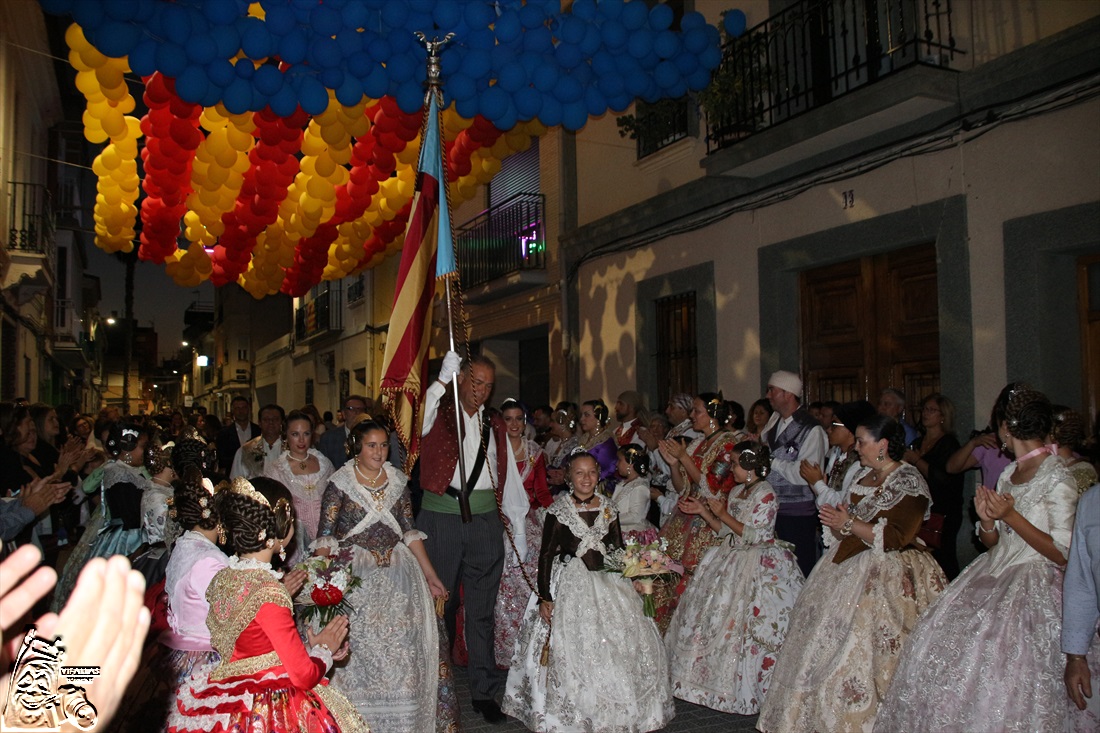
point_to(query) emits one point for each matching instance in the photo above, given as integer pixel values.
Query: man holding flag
(464, 466)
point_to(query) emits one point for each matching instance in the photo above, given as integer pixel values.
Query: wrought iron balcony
(31, 218)
(505, 239)
(816, 51)
(321, 314)
(356, 290)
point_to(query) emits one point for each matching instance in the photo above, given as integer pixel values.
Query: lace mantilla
(903, 481)
(242, 563)
(591, 538)
(376, 504)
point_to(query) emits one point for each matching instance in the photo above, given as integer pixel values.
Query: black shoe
(489, 710)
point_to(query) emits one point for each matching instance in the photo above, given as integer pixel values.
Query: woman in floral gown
(726, 633)
(514, 591)
(267, 681)
(987, 656)
(305, 471)
(398, 675)
(606, 668)
(702, 470)
(862, 599)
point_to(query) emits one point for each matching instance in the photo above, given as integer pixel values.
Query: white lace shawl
(344, 479)
(903, 481)
(591, 538)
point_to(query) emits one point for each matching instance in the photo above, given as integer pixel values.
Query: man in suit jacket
(333, 442)
(237, 433)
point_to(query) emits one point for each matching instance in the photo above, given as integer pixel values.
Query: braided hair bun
(193, 506)
(256, 514)
(1028, 415)
(884, 427)
(754, 456)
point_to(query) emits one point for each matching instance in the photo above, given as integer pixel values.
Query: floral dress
(398, 675)
(306, 489)
(514, 591)
(266, 680)
(688, 535)
(989, 651)
(607, 669)
(854, 614)
(726, 633)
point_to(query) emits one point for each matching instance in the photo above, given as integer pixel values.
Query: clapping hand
(811, 472)
(834, 517)
(42, 493)
(992, 506)
(691, 505)
(671, 450)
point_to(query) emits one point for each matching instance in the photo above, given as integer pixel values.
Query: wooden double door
(872, 323)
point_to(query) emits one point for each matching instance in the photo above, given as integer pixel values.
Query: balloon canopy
(281, 137)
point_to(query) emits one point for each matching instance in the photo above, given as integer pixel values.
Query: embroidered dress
(398, 675)
(688, 535)
(266, 681)
(631, 499)
(152, 561)
(856, 610)
(307, 490)
(726, 633)
(514, 592)
(184, 649)
(988, 653)
(607, 670)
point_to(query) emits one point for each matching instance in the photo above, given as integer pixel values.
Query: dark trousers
(802, 532)
(471, 556)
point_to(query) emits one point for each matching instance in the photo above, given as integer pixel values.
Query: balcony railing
(818, 50)
(66, 321)
(507, 238)
(319, 316)
(31, 217)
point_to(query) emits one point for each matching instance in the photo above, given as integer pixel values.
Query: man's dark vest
(439, 450)
(786, 446)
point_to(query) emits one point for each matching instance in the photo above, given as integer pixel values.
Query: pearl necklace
(371, 483)
(302, 462)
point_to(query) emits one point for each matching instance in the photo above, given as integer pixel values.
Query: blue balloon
(493, 102)
(585, 9)
(447, 16)
(661, 17)
(592, 40)
(482, 39)
(244, 69)
(507, 120)
(377, 47)
(312, 95)
(213, 96)
(227, 40)
(325, 20)
(350, 92)
(636, 84)
(568, 89)
(171, 60)
(711, 57)
(692, 21)
(666, 44)
(177, 23)
(641, 43)
(550, 114)
(375, 83)
(572, 29)
(359, 65)
(539, 40)
(325, 52)
(620, 102)
(220, 72)
(635, 14)
(545, 78)
(202, 50)
(57, 7)
(88, 15)
(466, 107)
(267, 80)
(614, 34)
(410, 97)
(191, 85)
(115, 38)
(255, 40)
(283, 102)
(698, 79)
(610, 8)
(479, 15)
(394, 15)
(237, 97)
(280, 19)
(355, 16)
(695, 40)
(568, 55)
(461, 86)
(574, 115)
(476, 63)
(611, 85)
(594, 102)
(507, 27)
(401, 68)
(403, 43)
(734, 23)
(512, 78)
(666, 74)
(528, 103)
(686, 63)
(220, 12)
(531, 16)
(603, 62)
(143, 57)
(332, 78)
(677, 90)
(348, 41)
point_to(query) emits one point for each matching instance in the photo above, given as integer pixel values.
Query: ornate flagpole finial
(434, 47)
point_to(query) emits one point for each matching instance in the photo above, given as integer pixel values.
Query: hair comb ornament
(244, 488)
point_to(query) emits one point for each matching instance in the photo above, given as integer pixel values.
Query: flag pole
(434, 47)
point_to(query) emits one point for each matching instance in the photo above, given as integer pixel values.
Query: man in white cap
(794, 436)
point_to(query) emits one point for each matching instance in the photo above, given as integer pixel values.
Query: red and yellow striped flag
(404, 367)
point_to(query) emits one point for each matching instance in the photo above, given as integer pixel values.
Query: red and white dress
(267, 682)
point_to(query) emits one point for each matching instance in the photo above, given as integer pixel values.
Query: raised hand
(811, 473)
